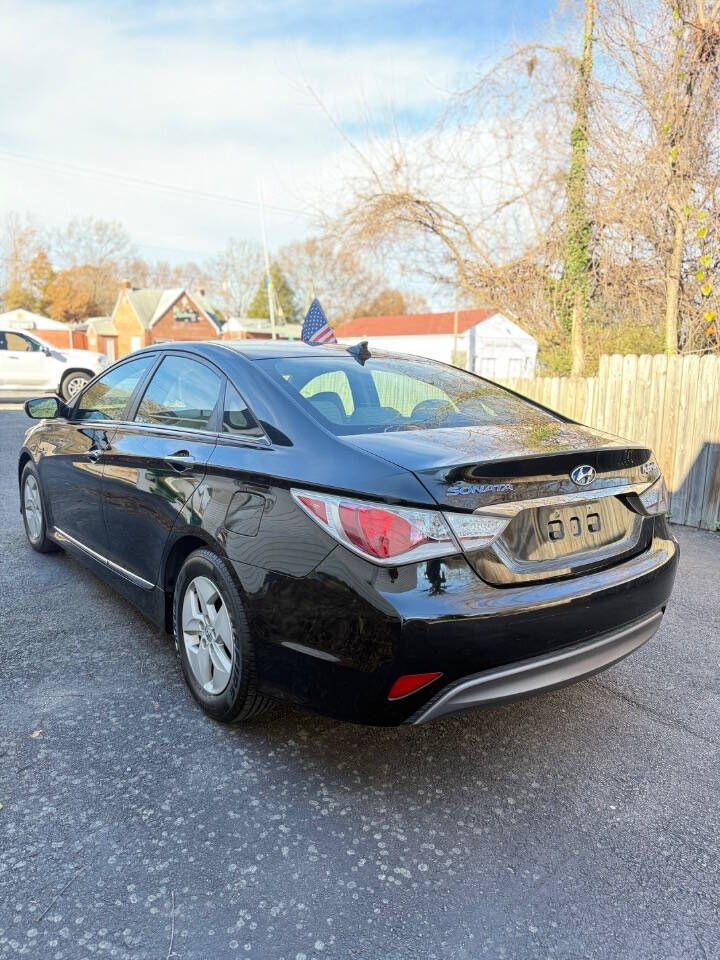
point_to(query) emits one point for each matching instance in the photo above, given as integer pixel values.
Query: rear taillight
(392, 535)
(655, 499)
(383, 534)
(475, 531)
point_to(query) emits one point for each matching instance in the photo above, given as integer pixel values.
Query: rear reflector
(409, 683)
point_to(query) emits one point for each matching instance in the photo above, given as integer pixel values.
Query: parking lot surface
(584, 823)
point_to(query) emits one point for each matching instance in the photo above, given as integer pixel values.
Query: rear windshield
(390, 394)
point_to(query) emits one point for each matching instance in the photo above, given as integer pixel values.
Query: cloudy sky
(165, 115)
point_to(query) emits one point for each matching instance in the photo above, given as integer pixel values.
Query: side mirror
(45, 408)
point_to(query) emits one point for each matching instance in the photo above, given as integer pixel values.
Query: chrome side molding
(62, 537)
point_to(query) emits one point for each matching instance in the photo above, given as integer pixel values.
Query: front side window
(182, 393)
(107, 398)
(237, 419)
(388, 394)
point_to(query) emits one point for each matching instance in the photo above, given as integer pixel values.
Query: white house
(62, 335)
(487, 342)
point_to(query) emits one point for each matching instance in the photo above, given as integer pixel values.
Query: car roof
(267, 349)
(263, 349)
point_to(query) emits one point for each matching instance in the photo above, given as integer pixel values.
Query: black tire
(36, 532)
(73, 382)
(239, 700)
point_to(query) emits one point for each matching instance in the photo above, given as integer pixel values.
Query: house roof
(144, 303)
(412, 324)
(103, 326)
(22, 318)
(150, 303)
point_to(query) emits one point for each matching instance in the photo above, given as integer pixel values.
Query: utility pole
(226, 291)
(271, 299)
(455, 330)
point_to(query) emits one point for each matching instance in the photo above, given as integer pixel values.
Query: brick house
(101, 336)
(143, 317)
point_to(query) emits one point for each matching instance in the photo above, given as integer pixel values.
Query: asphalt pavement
(583, 823)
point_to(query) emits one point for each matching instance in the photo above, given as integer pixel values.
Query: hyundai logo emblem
(583, 476)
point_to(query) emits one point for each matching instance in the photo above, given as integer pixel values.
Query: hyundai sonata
(380, 538)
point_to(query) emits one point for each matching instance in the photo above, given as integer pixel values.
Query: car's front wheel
(33, 511)
(73, 382)
(213, 640)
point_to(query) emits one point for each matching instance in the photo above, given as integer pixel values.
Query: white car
(29, 363)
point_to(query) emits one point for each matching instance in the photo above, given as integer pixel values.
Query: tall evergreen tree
(284, 298)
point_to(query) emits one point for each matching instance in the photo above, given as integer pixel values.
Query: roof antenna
(360, 352)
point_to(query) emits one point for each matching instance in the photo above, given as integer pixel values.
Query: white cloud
(211, 112)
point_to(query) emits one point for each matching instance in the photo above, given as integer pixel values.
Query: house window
(185, 316)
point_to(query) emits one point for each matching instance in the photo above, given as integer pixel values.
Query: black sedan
(380, 538)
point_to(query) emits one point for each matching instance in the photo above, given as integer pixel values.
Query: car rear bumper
(540, 673)
(336, 640)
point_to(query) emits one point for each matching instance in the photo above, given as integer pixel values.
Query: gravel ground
(583, 823)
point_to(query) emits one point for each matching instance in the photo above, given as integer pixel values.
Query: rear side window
(237, 419)
(182, 393)
(107, 398)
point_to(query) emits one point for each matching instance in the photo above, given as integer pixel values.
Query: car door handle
(94, 454)
(180, 460)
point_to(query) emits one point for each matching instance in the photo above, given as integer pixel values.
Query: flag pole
(271, 302)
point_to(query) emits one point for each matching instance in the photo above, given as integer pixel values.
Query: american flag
(316, 328)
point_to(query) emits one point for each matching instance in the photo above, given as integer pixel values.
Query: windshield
(389, 394)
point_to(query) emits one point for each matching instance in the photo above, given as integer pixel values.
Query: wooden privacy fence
(670, 404)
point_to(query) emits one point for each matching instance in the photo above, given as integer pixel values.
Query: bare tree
(100, 253)
(478, 203)
(91, 241)
(233, 275)
(319, 267)
(657, 153)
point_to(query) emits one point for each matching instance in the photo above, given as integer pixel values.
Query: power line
(73, 169)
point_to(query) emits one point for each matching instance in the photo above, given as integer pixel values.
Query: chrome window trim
(263, 441)
(61, 535)
(158, 355)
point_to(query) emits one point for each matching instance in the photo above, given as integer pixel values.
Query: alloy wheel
(75, 385)
(32, 505)
(207, 634)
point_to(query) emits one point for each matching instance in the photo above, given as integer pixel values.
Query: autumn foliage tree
(70, 295)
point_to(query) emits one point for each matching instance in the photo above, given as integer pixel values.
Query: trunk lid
(556, 526)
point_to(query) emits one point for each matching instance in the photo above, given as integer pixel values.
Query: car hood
(84, 357)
